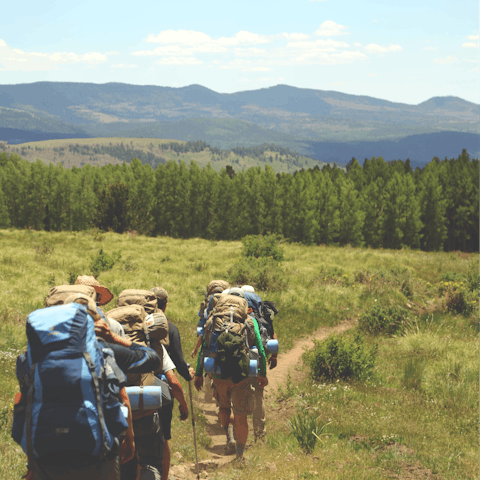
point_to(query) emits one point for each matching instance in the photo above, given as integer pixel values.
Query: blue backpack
(69, 390)
(256, 304)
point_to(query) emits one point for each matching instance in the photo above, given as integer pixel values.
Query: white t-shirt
(167, 361)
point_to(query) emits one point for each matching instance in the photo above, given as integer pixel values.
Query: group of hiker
(89, 405)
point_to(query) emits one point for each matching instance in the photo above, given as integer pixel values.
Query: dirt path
(276, 377)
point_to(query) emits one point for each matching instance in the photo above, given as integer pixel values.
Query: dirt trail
(276, 377)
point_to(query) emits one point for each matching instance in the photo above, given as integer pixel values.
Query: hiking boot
(231, 448)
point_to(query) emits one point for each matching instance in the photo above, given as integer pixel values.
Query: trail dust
(276, 377)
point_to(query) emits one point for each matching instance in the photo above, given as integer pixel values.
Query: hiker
(174, 349)
(254, 309)
(104, 295)
(227, 332)
(61, 443)
(214, 287)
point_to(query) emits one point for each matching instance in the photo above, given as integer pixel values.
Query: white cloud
(372, 74)
(178, 61)
(475, 69)
(125, 65)
(473, 43)
(356, 44)
(15, 59)
(374, 48)
(445, 60)
(330, 29)
(296, 36)
(338, 83)
(191, 38)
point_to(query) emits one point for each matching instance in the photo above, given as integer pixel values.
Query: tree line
(379, 204)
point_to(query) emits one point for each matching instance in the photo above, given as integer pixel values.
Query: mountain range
(327, 125)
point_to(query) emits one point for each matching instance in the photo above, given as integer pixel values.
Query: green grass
(417, 412)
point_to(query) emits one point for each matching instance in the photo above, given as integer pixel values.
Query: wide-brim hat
(104, 295)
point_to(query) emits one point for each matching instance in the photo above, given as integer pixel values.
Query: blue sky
(404, 51)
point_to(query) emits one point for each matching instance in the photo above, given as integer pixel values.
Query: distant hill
(323, 124)
(101, 151)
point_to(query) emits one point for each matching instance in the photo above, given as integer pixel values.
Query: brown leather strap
(140, 399)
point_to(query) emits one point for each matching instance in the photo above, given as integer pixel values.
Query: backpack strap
(96, 388)
(28, 420)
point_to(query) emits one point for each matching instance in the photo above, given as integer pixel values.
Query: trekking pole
(193, 425)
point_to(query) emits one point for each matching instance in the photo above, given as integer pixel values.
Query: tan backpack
(214, 287)
(145, 298)
(229, 312)
(157, 325)
(132, 318)
(58, 295)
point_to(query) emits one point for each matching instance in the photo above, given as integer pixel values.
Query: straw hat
(104, 295)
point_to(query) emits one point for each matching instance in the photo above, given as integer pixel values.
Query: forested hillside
(103, 151)
(328, 126)
(378, 204)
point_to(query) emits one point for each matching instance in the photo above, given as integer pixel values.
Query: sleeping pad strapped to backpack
(69, 387)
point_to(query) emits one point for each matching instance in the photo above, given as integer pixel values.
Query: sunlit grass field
(415, 417)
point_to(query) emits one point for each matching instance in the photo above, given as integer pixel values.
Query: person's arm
(176, 353)
(127, 448)
(102, 330)
(135, 358)
(177, 392)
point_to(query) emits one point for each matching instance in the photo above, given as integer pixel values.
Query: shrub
(413, 373)
(341, 357)
(103, 262)
(380, 319)
(305, 428)
(263, 246)
(262, 273)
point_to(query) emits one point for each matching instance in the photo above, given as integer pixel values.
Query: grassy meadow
(415, 416)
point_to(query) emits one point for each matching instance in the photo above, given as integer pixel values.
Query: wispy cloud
(330, 29)
(374, 48)
(372, 74)
(179, 61)
(445, 60)
(473, 43)
(16, 59)
(125, 65)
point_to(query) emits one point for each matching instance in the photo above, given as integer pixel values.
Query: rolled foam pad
(272, 346)
(152, 397)
(209, 365)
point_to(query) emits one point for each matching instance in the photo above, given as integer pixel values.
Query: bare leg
(166, 461)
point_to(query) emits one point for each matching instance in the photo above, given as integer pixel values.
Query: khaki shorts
(238, 396)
